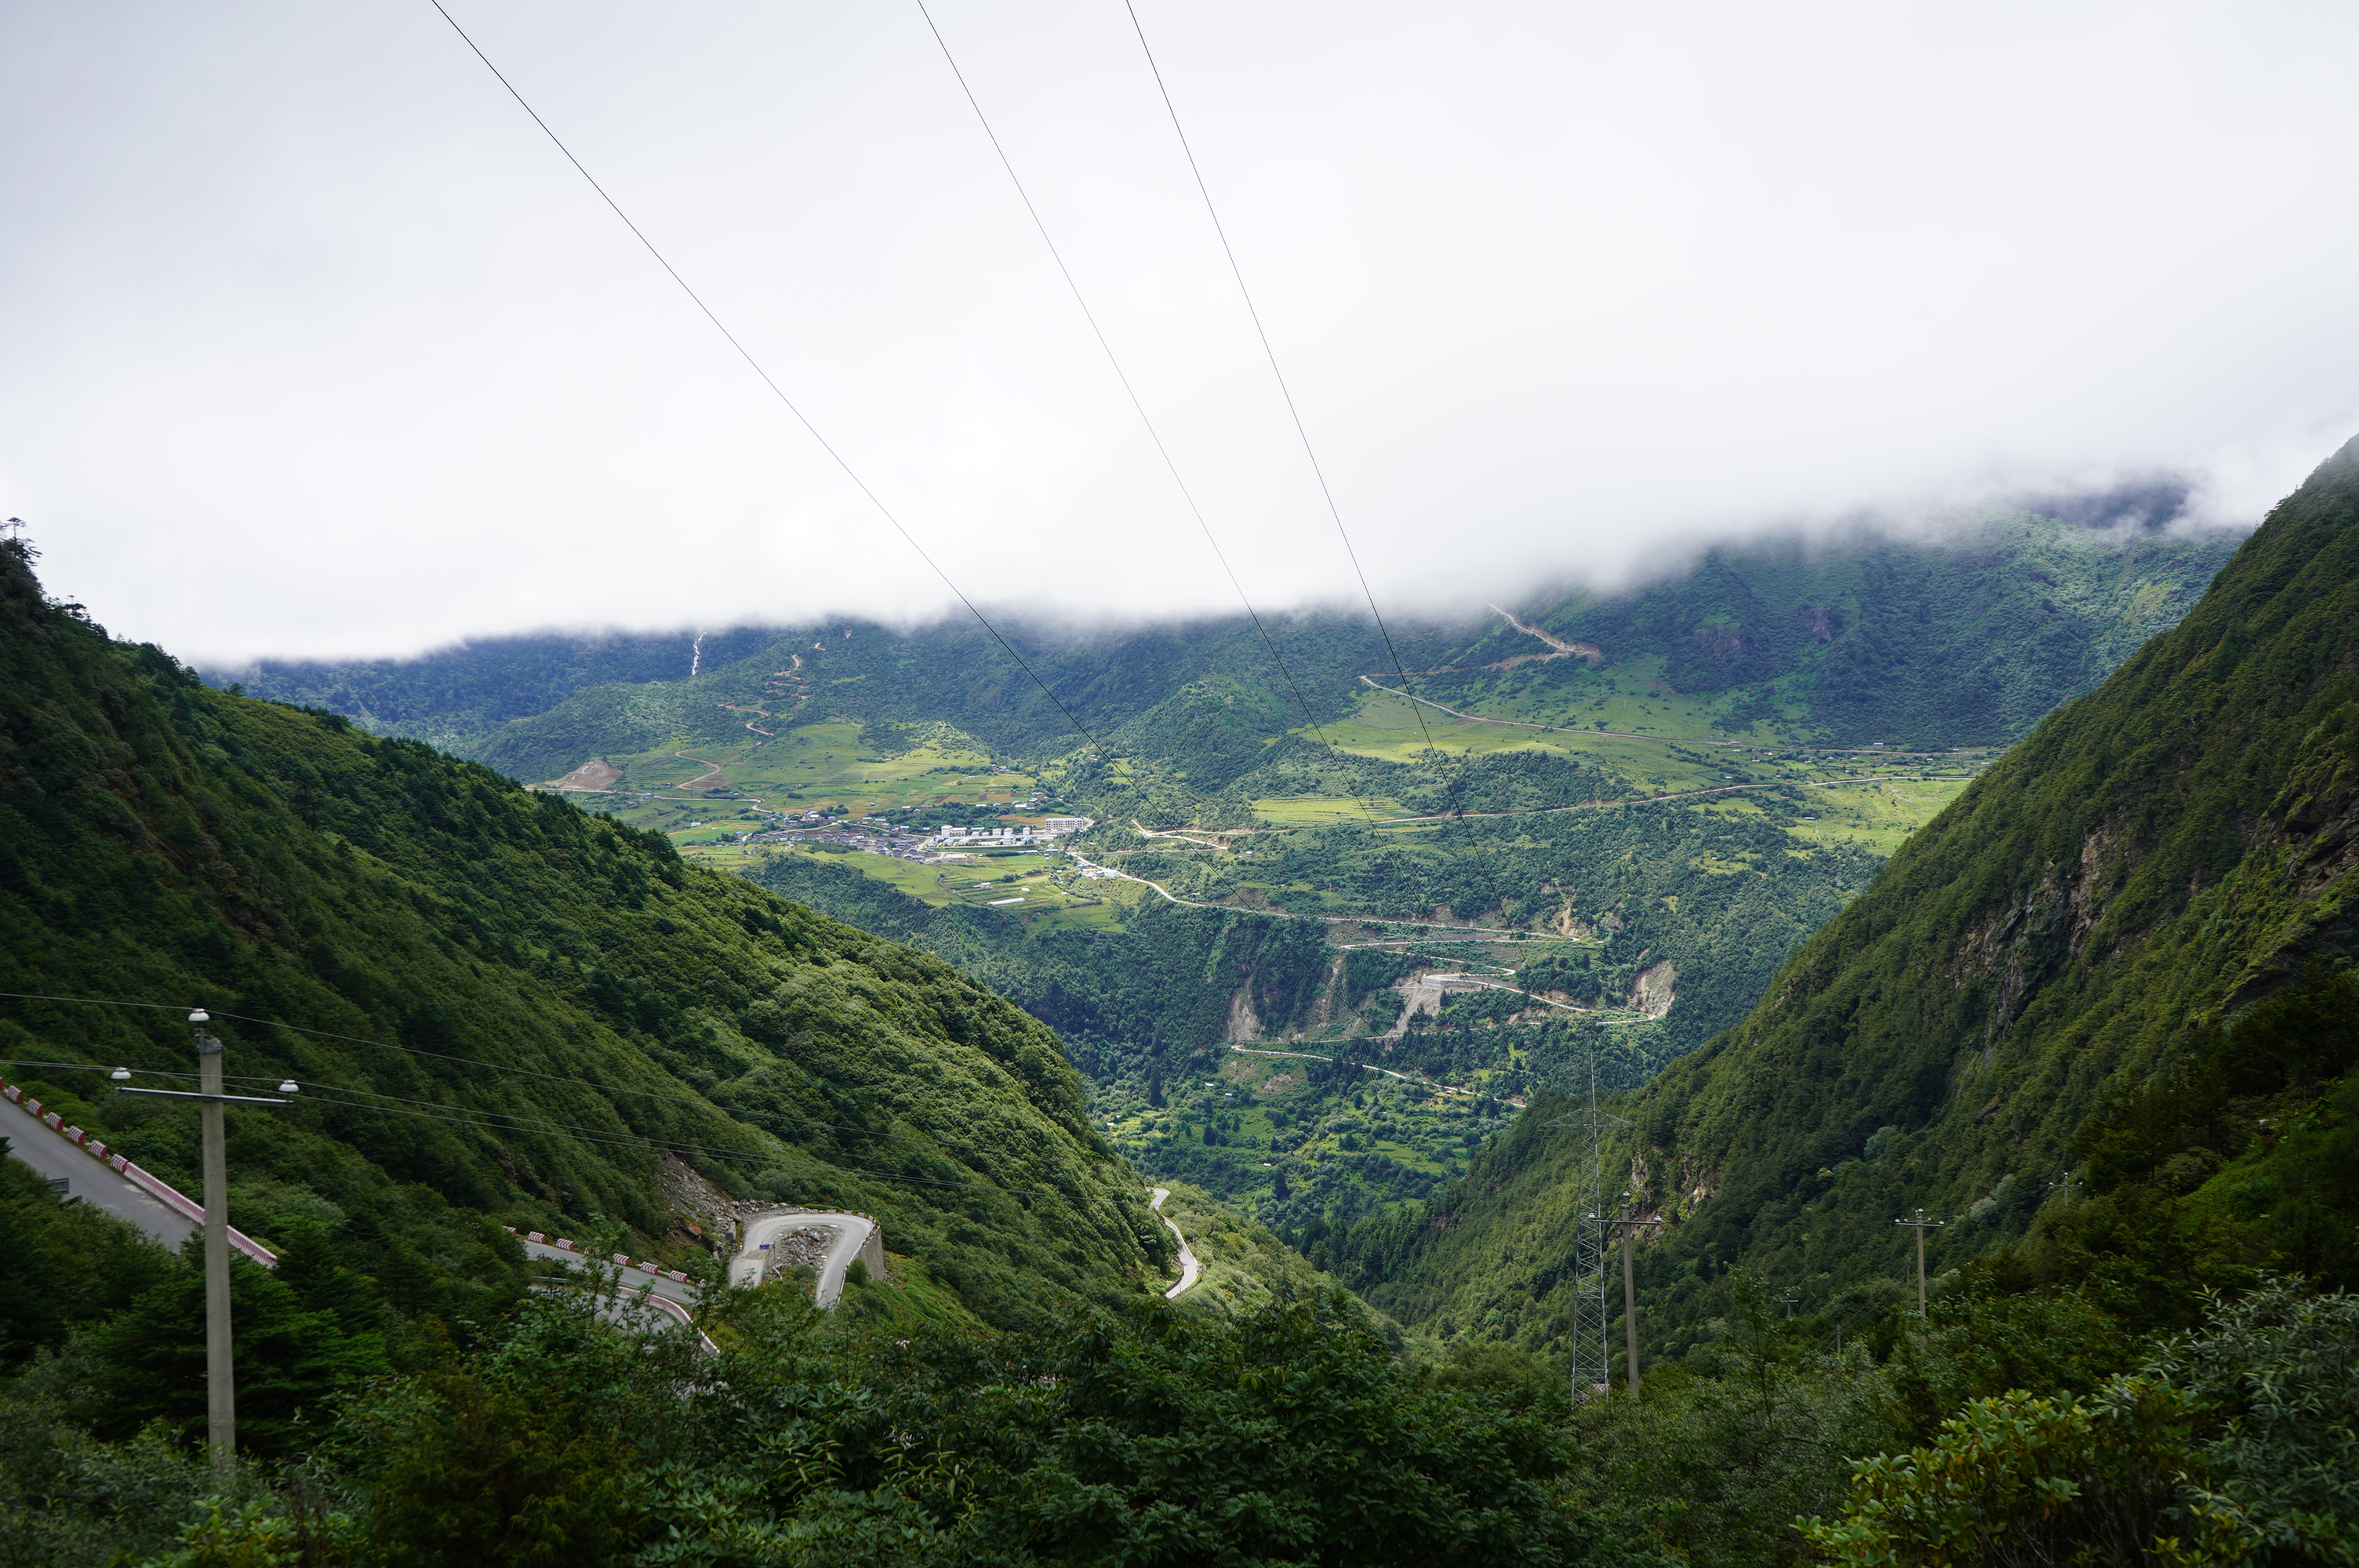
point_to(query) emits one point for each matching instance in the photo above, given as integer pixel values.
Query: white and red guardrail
(147, 1181)
(645, 1296)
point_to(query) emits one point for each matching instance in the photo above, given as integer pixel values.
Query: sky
(312, 344)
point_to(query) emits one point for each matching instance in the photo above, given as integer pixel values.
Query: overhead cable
(1269, 353)
(1129, 391)
(742, 352)
(467, 1117)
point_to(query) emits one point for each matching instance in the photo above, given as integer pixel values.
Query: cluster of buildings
(1008, 838)
(873, 834)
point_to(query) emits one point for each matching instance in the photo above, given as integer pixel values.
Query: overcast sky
(310, 342)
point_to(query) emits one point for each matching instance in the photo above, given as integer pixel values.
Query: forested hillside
(2097, 1016)
(2107, 922)
(454, 697)
(527, 1008)
(1652, 929)
(502, 1009)
(1765, 670)
(1965, 641)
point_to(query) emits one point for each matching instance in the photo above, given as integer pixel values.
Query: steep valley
(2086, 998)
(1776, 722)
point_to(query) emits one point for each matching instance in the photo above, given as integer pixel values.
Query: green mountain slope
(1967, 641)
(454, 696)
(1962, 640)
(563, 1009)
(2156, 856)
(1652, 928)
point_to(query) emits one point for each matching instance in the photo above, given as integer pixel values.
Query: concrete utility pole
(1626, 1224)
(1791, 1303)
(220, 1373)
(1922, 1225)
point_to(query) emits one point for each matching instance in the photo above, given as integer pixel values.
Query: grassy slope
(2167, 848)
(1244, 1267)
(161, 842)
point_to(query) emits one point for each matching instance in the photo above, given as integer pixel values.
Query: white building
(988, 838)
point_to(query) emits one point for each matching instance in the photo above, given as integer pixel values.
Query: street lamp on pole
(1920, 1225)
(221, 1378)
(1626, 1224)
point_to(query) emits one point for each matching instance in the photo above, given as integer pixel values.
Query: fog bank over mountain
(319, 348)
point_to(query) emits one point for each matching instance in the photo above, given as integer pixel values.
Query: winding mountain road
(671, 1291)
(856, 1236)
(1188, 1268)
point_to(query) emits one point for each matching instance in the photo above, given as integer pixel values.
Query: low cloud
(317, 347)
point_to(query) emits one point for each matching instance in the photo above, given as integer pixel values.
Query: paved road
(634, 1307)
(637, 1277)
(140, 1197)
(670, 1294)
(1188, 1270)
(856, 1236)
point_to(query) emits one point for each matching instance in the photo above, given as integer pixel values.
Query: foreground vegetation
(2012, 1425)
(884, 1433)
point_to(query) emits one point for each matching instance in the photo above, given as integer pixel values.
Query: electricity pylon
(1591, 1361)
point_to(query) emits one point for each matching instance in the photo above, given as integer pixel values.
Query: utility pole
(1920, 1225)
(1626, 1224)
(1791, 1303)
(220, 1373)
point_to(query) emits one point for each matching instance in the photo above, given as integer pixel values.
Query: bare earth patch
(595, 773)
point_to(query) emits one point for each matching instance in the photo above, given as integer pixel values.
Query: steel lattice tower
(1591, 1364)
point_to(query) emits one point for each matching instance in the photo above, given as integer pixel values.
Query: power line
(1129, 391)
(742, 352)
(1283, 391)
(675, 1145)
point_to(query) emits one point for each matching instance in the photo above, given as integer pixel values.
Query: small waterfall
(696, 656)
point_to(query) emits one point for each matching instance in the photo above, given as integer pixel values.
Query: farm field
(817, 767)
(1690, 755)
(1271, 1125)
(1034, 886)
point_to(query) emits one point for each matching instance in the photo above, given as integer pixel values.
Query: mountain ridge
(2156, 855)
(1778, 616)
